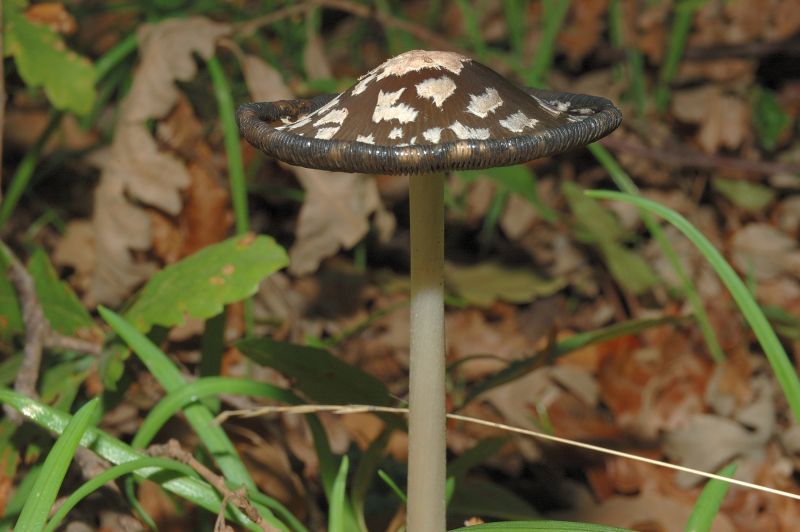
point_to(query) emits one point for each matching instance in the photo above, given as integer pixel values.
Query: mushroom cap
(423, 112)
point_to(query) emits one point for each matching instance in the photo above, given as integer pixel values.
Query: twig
(673, 157)
(172, 449)
(38, 332)
(359, 10)
(360, 409)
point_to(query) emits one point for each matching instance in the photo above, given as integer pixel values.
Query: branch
(685, 157)
(172, 449)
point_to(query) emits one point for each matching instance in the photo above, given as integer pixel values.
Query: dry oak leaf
(134, 167)
(724, 119)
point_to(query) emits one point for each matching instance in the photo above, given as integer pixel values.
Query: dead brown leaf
(724, 119)
(762, 251)
(334, 215)
(135, 169)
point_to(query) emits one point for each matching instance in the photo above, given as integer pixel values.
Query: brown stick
(362, 11)
(684, 157)
(172, 449)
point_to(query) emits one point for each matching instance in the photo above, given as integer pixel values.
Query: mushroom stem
(426, 458)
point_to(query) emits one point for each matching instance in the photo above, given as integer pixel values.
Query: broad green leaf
(37, 508)
(748, 196)
(316, 373)
(628, 268)
(60, 383)
(43, 60)
(59, 303)
(487, 499)
(486, 282)
(200, 285)
(541, 526)
(596, 224)
(769, 119)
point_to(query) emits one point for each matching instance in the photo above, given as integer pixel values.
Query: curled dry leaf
(136, 171)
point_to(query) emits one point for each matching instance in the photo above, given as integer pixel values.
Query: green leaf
(597, 225)
(338, 501)
(318, 374)
(628, 268)
(200, 285)
(748, 196)
(769, 119)
(709, 501)
(541, 526)
(117, 452)
(482, 498)
(37, 508)
(773, 349)
(198, 415)
(484, 283)
(42, 59)
(59, 303)
(10, 313)
(109, 475)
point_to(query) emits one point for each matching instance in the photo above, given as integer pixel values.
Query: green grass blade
(117, 452)
(626, 184)
(392, 485)
(109, 475)
(364, 475)
(709, 501)
(45, 490)
(681, 24)
(555, 11)
(201, 388)
(338, 500)
(776, 355)
(199, 416)
(233, 150)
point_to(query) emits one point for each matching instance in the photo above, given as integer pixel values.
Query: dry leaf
(263, 81)
(724, 119)
(314, 60)
(54, 15)
(334, 215)
(135, 170)
(762, 251)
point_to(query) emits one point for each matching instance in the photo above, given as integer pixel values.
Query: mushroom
(424, 113)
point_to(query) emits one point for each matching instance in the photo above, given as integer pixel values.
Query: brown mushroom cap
(422, 112)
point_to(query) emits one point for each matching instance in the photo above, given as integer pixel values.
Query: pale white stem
(426, 420)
